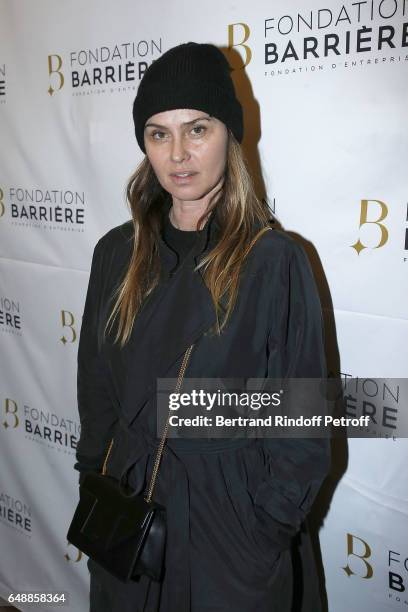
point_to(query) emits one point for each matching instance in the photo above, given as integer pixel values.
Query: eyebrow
(185, 122)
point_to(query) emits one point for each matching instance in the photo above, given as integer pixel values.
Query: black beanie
(190, 75)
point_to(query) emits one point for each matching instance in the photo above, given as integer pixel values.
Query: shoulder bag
(122, 532)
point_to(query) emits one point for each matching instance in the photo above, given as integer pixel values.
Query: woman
(199, 263)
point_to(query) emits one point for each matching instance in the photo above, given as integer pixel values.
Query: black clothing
(179, 240)
(233, 506)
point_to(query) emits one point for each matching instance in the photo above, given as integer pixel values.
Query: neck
(187, 221)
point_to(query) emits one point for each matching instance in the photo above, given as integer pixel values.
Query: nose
(178, 150)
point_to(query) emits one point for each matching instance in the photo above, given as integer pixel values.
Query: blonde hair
(239, 212)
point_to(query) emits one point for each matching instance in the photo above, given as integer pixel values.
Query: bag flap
(112, 517)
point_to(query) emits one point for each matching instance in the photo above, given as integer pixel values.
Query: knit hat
(190, 75)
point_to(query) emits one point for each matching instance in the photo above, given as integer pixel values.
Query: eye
(199, 127)
(154, 133)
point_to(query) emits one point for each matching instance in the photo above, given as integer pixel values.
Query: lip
(183, 179)
(182, 172)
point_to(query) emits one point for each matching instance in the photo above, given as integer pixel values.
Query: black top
(179, 240)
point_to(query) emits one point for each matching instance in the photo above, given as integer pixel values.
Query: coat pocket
(242, 499)
(267, 546)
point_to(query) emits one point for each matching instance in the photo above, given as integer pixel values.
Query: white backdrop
(327, 131)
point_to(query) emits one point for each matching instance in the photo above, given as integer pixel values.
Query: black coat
(233, 506)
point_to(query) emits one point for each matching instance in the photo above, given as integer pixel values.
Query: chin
(186, 192)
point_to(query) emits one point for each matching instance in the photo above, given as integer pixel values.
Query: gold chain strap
(163, 439)
(107, 457)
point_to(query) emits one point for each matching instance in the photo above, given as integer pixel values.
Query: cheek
(213, 159)
(156, 161)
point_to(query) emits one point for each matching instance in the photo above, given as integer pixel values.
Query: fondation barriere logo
(49, 208)
(373, 232)
(350, 36)
(101, 69)
(42, 426)
(379, 212)
(11, 319)
(15, 513)
(366, 561)
(69, 328)
(384, 400)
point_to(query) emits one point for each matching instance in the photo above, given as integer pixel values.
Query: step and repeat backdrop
(324, 88)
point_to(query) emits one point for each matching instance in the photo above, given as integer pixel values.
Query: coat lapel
(174, 316)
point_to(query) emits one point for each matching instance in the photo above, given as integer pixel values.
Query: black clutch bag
(123, 532)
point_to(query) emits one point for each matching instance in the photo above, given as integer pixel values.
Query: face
(187, 140)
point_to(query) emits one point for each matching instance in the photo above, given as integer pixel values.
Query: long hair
(240, 214)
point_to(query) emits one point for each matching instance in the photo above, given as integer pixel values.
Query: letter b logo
(358, 548)
(54, 67)
(359, 246)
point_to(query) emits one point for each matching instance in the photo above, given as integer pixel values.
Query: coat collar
(175, 315)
